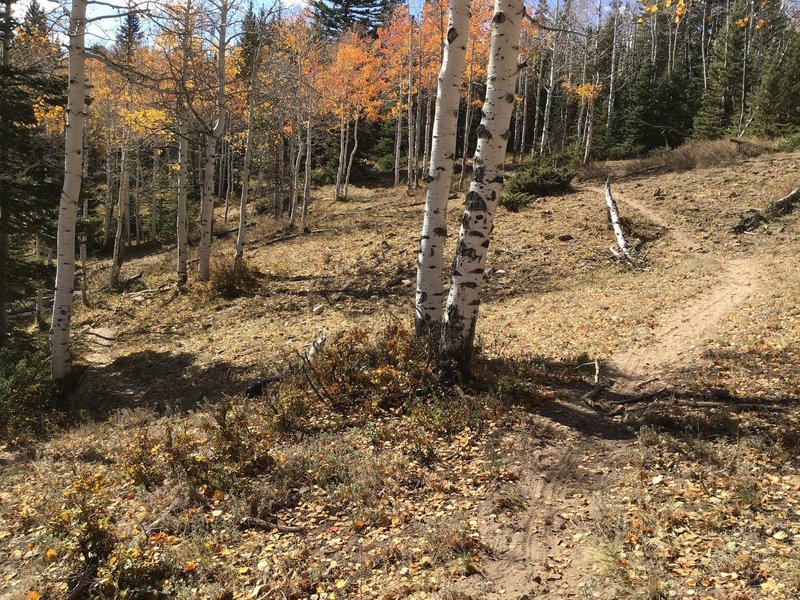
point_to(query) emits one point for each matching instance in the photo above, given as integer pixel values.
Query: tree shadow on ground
(159, 381)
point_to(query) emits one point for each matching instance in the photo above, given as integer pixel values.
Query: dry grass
(691, 156)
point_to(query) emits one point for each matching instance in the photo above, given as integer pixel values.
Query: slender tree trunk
(207, 198)
(461, 313)
(182, 221)
(137, 198)
(344, 140)
(296, 180)
(154, 198)
(352, 155)
(410, 100)
(548, 104)
(307, 185)
(68, 207)
(536, 102)
(109, 192)
(467, 121)
(248, 157)
(429, 296)
(398, 140)
(122, 212)
(517, 122)
(418, 121)
(612, 83)
(428, 125)
(589, 127)
(525, 110)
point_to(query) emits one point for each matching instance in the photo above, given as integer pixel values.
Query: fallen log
(613, 216)
(752, 218)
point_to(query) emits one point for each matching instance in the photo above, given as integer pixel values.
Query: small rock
(406, 282)
(658, 193)
(564, 237)
(318, 310)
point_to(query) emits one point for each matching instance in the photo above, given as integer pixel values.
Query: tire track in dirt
(678, 339)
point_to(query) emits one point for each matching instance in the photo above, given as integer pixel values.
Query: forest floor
(679, 479)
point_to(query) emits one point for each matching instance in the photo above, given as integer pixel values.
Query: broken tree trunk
(613, 216)
(752, 218)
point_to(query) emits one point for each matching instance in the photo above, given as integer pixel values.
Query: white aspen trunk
(612, 83)
(426, 156)
(154, 198)
(182, 221)
(40, 317)
(536, 100)
(461, 312)
(296, 181)
(68, 206)
(613, 216)
(248, 157)
(418, 128)
(703, 26)
(517, 122)
(122, 218)
(430, 294)
(137, 200)
(525, 94)
(109, 193)
(222, 186)
(352, 155)
(307, 185)
(467, 121)
(398, 141)
(589, 128)
(548, 104)
(410, 100)
(344, 139)
(183, 181)
(207, 198)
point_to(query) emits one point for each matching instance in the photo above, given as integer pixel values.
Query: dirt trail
(677, 340)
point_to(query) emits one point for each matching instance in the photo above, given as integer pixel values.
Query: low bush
(28, 397)
(513, 202)
(541, 180)
(231, 280)
(790, 143)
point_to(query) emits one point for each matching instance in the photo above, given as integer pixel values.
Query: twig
(589, 396)
(256, 523)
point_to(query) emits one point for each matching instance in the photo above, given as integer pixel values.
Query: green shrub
(323, 176)
(790, 143)
(28, 397)
(514, 201)
(541, 180)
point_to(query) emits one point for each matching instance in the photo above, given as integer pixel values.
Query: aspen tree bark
(461, 312)
(182, 222)
(612, 82)
(207, 198)
(548, 103)
(344, 140)
(411, 123)
(418, 121)
(352, 155)
(70, 193)
(589, 128)
(109, 192)
(536, 102)
(525, 95)
(296, 181)
(467, 121)
(307, 185)
(122, 218)
(517, 123)
(154, 197)
(137, 199)
(248, 157)
(430, 294)
(613, 216)
(426, 155)
(398, 140)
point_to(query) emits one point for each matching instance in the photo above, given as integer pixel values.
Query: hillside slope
(510, 487)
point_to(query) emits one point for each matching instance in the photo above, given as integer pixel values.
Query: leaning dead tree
(616, 225)
(751, 219)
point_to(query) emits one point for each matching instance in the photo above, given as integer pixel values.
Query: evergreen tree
(778, 99)
(332, 17)
(129, 34)
(35, 18)
(721, 99)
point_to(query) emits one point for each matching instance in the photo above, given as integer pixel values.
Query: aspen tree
(212, 136)
(429, 296)
(461, 312)
(68, 206)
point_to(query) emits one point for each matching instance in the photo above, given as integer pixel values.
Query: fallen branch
(589, 396)
(227, 232)
(752, 218)
(613, 216)
(257, 388)
(256, 523)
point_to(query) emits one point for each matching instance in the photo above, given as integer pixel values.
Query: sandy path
(679, 337)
